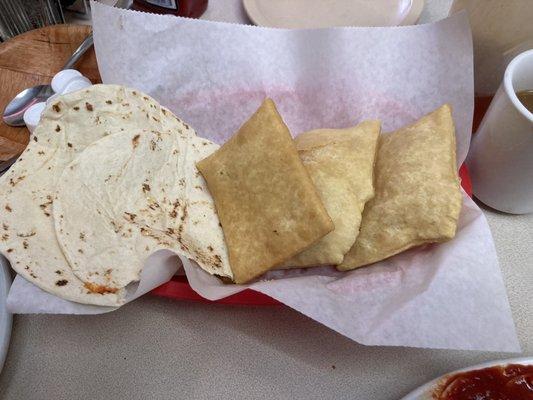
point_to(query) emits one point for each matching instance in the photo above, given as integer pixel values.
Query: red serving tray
(179, 289)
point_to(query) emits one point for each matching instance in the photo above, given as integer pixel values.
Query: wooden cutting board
(33, 58)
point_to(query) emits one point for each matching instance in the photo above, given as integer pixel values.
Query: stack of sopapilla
(343, 197)
(110, 177)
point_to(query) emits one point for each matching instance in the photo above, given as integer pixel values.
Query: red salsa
(510, 382)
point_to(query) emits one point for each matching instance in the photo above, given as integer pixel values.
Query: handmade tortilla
(267, 204)
(341, 165)
(27, 190)
(418, 197)
(130, 194)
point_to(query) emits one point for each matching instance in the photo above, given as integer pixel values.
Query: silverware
(14, 111)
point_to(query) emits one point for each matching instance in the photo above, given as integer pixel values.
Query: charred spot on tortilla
(89, 106)
(135, 140)
(69, 144)
(17, 180)
(25, 235)
(56, 107)
(101, 289)
(61, 282)
(9, 250)
(108, 102)
(8, 208)
(130, 216)
(76, 108)
(145, 187)
(59, 272)
(58, 128)
(184, 215)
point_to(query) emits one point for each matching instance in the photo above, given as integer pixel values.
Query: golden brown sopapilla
(418, 197)
(267, 204)
(341, 164)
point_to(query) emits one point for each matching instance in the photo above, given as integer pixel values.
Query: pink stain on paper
(301, 108)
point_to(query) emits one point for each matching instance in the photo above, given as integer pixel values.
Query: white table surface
(158, 348)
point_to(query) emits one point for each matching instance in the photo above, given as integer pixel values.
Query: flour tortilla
(341, 165)
(130, 194)
(266, 201)
(418, 197)
(27, 190)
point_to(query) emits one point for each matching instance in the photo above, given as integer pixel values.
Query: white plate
(424, 392)
(5, 317)
(321, 14)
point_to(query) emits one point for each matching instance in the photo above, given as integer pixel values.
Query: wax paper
(214, 75)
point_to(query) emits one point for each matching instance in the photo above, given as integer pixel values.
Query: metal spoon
(14, 111)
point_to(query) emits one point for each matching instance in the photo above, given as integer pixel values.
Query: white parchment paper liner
(214, 75)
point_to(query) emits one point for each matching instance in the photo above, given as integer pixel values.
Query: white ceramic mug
(500, 160)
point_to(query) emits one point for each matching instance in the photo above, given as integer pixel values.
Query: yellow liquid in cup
(526, 98)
